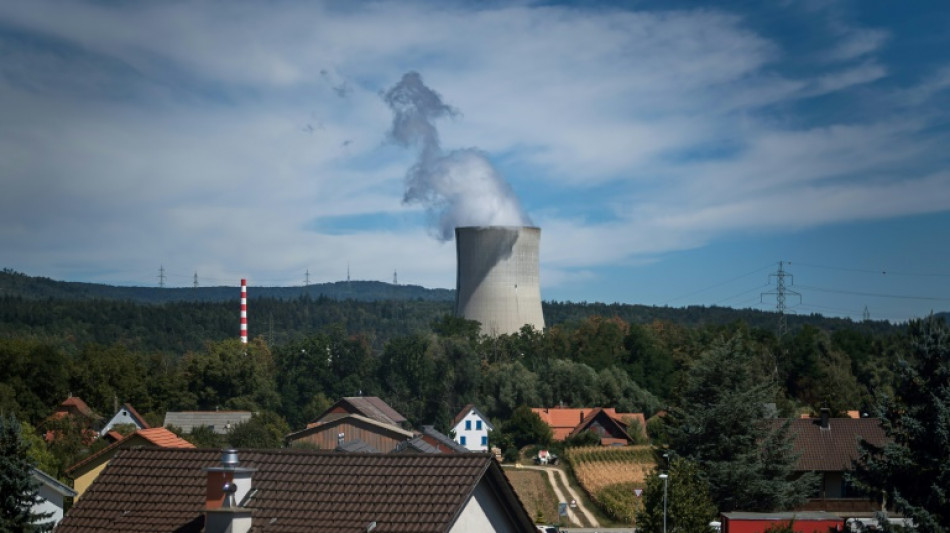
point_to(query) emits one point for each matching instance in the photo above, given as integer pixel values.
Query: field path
(573, 495)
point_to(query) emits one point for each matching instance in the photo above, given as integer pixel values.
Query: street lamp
(665, 478)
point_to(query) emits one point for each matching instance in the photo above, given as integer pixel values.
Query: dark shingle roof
(374, 407)
(159, 490)
(356, 445)
(832, 449)
(444, 439)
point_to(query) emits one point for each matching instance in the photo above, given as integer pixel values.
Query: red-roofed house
(610, 425)
(86, 471)
(72, 410)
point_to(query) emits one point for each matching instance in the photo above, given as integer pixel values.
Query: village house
(286, 490)
(86, 471)
(471, 429)
(612, 427)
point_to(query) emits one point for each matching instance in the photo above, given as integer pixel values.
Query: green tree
(689, 507)
(264, 430)
(526, 427)
(18, 489)
(721, 421)
(912, 472)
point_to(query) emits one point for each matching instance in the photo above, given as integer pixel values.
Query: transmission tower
(395, 279)
(781, 292)
(196, 279)
(161, 276)
(306, 278)
(867, 314)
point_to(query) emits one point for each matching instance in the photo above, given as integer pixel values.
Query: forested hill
(21, 285)
(184, 319)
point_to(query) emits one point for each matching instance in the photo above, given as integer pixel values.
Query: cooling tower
(498, 282)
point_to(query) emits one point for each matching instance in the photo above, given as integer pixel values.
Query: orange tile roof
(563, 420)
(159, 437)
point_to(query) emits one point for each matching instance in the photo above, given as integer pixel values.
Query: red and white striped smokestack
(243, 310)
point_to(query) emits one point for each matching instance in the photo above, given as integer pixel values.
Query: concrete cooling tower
(498, 282)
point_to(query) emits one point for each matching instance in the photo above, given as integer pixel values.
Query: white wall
(483, 512)
(473, 436)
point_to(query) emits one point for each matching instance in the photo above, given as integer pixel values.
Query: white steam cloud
(458, 188)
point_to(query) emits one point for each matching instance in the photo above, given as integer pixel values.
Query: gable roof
(76, 407)
(441, 440)
(415, 445)
(390, 429)
(564, 420)
(468, 409)
(159, 490)
(368, 406)
(159, 437)
(53, 484)
(356, 445)
(221, 421)
(833, 448)
(598, 413)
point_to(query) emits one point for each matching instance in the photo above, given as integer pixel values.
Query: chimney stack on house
(227, 488)
(825, 415)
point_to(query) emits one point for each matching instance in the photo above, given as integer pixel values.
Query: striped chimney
(243, 310)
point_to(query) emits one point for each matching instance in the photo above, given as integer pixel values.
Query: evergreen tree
(722, 421)
(912, 471)
(689, 508)
(18, 489)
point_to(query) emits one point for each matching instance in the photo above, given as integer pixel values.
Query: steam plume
(458, 188)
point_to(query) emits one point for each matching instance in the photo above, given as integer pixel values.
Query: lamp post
(665, 478)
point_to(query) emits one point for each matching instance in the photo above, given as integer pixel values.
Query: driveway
(572, 495)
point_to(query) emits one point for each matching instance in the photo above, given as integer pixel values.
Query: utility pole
(781, 292)
(161, 276)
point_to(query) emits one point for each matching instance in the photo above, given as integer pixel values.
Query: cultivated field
(535, 492)
(609, 475)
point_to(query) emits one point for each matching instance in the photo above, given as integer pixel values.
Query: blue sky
(671, 152)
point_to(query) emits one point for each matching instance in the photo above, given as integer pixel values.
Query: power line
(721, 283)
(877, 295)
(883, 272)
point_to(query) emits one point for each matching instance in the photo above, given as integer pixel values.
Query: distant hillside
(20, 285)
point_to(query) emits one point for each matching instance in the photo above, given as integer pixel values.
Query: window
(462, 440)
(468, 425)
(484, 441)
(478, 425)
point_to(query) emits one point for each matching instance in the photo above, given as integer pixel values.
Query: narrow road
(560, 495)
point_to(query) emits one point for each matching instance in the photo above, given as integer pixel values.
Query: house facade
(611, 426)
(52, 497)
(125, 415)
(471, 429)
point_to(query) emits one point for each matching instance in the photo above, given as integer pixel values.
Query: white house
(52, 496)
(471, 429)
(125, 415)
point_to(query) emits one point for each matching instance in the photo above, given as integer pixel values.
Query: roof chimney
(825, 415)
(228, 486)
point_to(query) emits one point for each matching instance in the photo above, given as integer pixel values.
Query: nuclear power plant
(498, 282)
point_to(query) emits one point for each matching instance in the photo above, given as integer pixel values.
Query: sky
(672, 152)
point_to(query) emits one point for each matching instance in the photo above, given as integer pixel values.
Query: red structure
(802, 522)
(244, 310)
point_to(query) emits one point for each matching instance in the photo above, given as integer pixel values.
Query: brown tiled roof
(163, 490)
(832, 449)
(458, 418)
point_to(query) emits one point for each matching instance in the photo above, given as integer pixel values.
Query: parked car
(545, 457)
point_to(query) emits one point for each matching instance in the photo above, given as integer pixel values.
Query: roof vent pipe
(229, 457)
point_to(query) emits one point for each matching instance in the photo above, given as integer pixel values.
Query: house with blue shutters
(471, 429)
